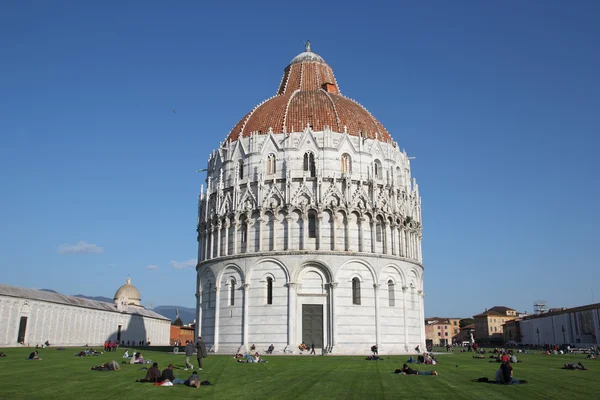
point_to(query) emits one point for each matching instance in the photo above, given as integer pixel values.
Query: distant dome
(129, 293)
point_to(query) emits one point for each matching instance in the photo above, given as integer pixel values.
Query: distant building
(575, 326)
(181, 334)
(464, 334)
(30, 317)
(512, 331)
(440, 331)
(489, 325)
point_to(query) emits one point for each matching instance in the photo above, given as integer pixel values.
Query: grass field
(60, 375)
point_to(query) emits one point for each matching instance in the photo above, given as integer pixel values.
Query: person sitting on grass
(193, 380)
(107, 366)
(507, 374)
(374, 349)
(406, 370)
(167, 374)
(2, 354)
(34, 356)
(153, 374)
(137, 359)
(574, 366)
(270, 349)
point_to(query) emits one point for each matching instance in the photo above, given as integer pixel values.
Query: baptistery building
(309, 229)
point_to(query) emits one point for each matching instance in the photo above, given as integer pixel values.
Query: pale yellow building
(489, 325)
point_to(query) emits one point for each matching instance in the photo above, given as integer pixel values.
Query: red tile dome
(309, 95)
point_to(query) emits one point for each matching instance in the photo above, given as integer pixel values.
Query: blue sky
(499, 102)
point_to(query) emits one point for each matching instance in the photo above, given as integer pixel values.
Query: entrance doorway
(22, 328)
(312, 324)
(119, 334)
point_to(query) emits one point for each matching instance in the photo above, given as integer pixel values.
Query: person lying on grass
(406, 370)
(193, 380)
(107, 366)
(573, 366)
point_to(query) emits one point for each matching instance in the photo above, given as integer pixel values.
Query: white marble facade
(323, 218)
(71, 321)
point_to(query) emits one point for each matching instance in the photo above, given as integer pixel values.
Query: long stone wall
(65, 325)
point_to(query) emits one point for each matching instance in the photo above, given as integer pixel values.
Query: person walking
(312, 348)
(201, 351)
(189, 351)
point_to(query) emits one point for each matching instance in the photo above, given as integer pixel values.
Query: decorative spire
(307, 47)
(128, 281)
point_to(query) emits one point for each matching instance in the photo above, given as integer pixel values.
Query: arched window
(269, 290)
(399, 177)
(241, 169)
(312, 225)
(379, 230)
(232, 292)
(377, 169)
(309, 164)
(244, 232)
(355, 291)
(391, 293)
(346, 164)
(271, 164)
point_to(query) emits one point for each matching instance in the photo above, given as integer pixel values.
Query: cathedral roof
(309, 96)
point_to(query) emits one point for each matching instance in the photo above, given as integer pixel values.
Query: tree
(465, 321)
(178, 322)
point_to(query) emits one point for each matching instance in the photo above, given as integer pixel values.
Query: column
(422, 317)
(347, 239)
(200, 246)
(319, 237)
(246, 296)
(291, 313)
(274, 233)
(377, 330)
(361, 235)
(260, 233)
(335, 223)
(219, 240)
(333, 286)
(199, 313)
(400, 252)
(227, 225)
(288, 232)
(404, 288)
(234, 225)
(393, 238)
(209, 235)
(384, 236)
(217, 316)
(250, 239)
(372, 223)
(304, 231)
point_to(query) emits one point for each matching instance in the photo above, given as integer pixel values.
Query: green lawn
(60, 375)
